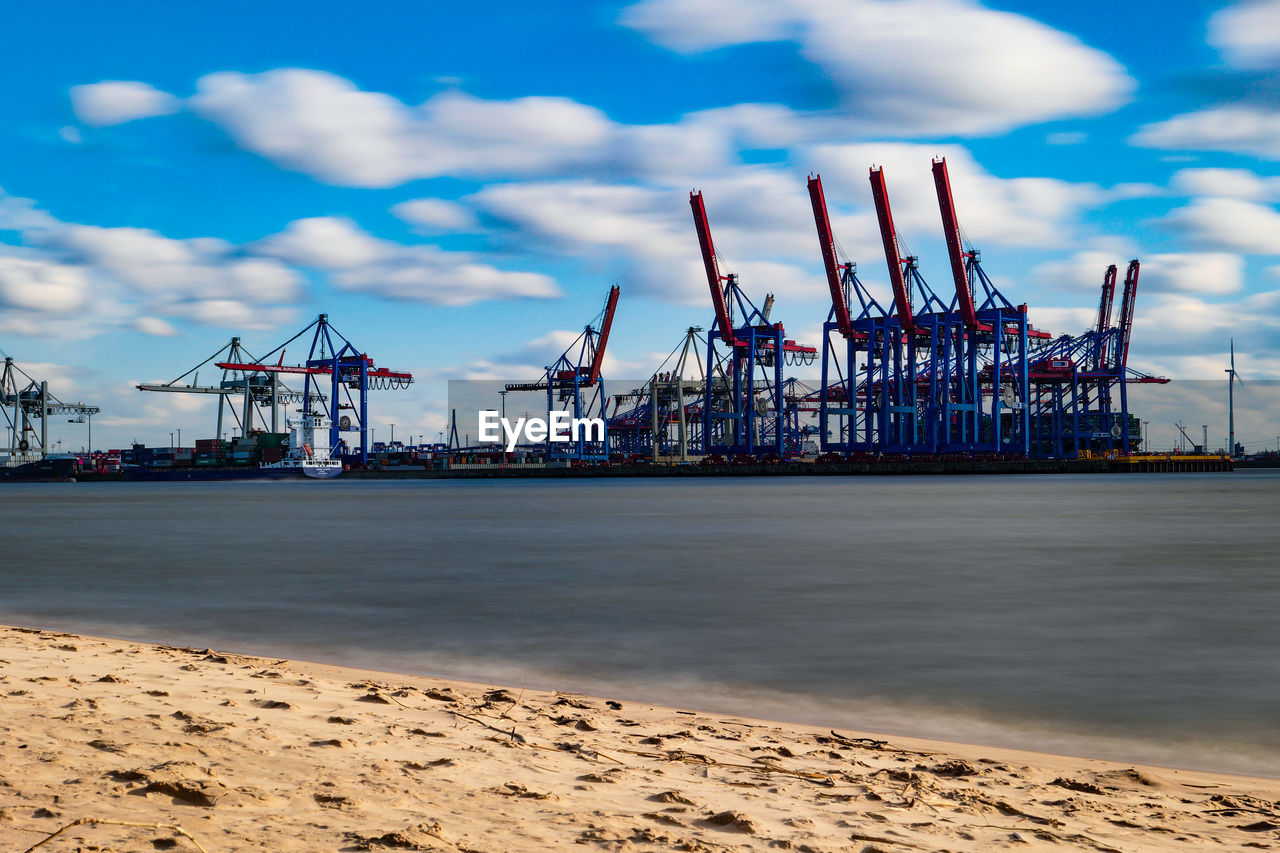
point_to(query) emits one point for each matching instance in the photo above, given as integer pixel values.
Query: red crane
(828, 245)
(892, 256)
(951, 230)
(1126, 314)
(597, 358)
(1104, 313)
(713, 269)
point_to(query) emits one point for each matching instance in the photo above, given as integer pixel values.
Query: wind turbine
(1232, 376)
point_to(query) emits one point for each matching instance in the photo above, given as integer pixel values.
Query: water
(1130, 617)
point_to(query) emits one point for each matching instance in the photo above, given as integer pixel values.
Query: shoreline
(253, 753)
(943, 726)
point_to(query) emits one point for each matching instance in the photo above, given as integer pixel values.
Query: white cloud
(1203, 273)
(1226, 183)
(324, 126)
(42, 286)
(911, 65)
(76, 280)
(435, 215)
(358, 261)
(429, 274)
(1247, 33)
(540, 351)
(21, 214)
(326, 242)
(155, 326)
(118, 101)
(1237, 129)
(1192, 272)
(1059, 321)
(1069, 277)
(172, 270)
(231, 313)
(1228, 224)
(321, 124)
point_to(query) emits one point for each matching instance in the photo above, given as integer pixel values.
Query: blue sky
(459, 188)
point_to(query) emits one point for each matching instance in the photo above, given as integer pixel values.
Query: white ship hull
(318, 469)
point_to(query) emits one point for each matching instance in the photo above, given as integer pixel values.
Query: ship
(308, 450)
(49, 469)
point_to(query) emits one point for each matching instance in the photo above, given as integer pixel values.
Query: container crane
(574, 383)
(347, 370)
(908, 369)
(24, 402)
(994, 334)
(838, 403)
(1076, 379)
(670, 402)
(742, 410)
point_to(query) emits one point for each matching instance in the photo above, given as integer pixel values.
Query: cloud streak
(910, 66)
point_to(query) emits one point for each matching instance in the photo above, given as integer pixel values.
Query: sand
(245, 753)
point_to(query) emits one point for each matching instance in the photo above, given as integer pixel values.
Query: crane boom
(951, 230)
(597, 358)
(713, 270)
(1108, 299)
(1126, 314)
(897, 278)
(1104, 314)
(374, 372)
(826, 241)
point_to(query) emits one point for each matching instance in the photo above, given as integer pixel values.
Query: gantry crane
(742, 410)
(26, 402)
(1078, 380)
(664, 419)
(839, 405)
(344, 369)
(907, 367)
(574, 383)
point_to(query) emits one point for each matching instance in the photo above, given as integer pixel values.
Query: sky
(458, 188)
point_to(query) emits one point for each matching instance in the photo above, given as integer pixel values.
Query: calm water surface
(1132, 617)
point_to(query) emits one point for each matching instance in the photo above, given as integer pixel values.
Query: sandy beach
(247, 753)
